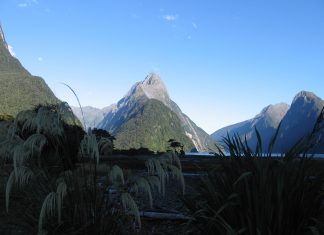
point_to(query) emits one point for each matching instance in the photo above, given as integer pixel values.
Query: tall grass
(65, 193)
(253, 193)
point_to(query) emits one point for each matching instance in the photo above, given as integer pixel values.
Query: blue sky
(222, 61)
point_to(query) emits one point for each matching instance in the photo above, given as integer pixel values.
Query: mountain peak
(303, 97)
(280, 108)
(2, 37)
(152, 79)
(146, 115)
(275, 113)
(299, 121)
(154, 88)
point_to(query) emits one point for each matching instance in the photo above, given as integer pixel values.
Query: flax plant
(254, 193)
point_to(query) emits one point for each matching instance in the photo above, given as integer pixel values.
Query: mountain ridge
(267, 121)
(303, 112)
(92, 116)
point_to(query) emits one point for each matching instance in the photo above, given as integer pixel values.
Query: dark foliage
(100, 133)
(246, 195)
(133, 151)
(62, 132)
(6, 117)
(73, 136)
(177, 147)
(254, 193)
(103, 135)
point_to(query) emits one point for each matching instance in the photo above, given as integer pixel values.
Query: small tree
(105, 141)
(177, 146)
(100, 133)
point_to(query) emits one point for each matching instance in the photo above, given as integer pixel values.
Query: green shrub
(6, 117)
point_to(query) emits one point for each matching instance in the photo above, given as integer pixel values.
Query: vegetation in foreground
(254, 193)
(60, 190)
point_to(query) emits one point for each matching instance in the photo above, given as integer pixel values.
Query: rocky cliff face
(266, 122)
(153, 88)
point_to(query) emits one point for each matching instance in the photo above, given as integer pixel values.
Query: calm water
(208, 154)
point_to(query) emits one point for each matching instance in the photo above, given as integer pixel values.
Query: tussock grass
(55, 166)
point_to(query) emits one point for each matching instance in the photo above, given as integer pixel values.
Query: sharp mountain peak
(306, 95)
(153, 88)
(152, 79)
(275, 109)
(2, 38)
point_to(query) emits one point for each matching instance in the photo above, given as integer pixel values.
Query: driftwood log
(163, 215)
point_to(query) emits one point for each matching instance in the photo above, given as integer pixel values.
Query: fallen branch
(163, 216)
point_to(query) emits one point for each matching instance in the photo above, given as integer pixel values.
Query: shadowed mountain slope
(19, 90)
(266, 122)
(299, 122)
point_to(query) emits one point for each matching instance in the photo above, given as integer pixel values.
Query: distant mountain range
(266, 122)
(147, 117)
(297, 121)
(92, 116)
(19, 90)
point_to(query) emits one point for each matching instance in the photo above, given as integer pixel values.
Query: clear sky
(222, 61)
